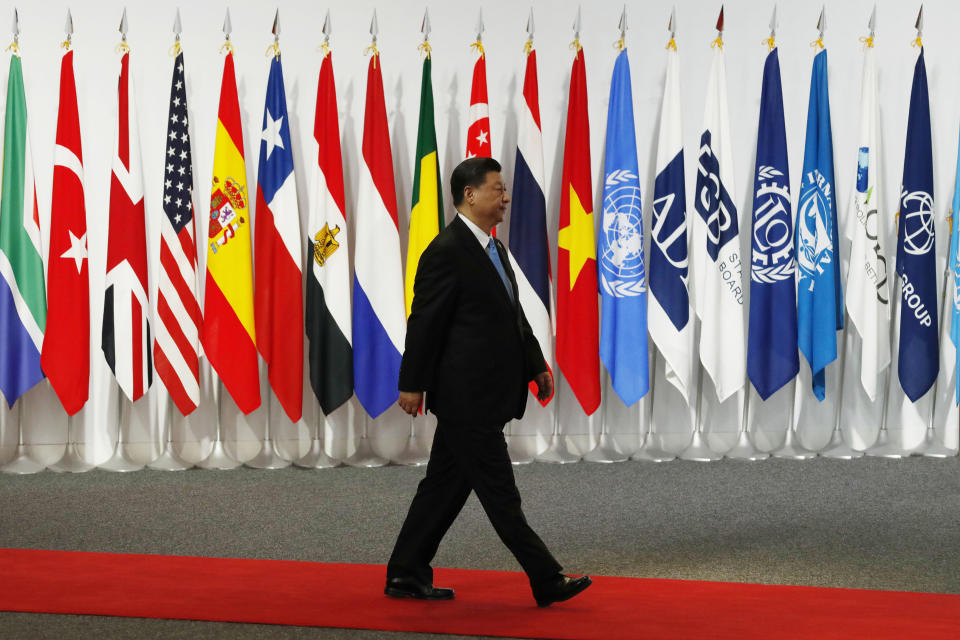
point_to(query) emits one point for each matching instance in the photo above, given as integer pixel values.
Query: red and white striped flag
(125, 337)
(66, 345)
(176, 352)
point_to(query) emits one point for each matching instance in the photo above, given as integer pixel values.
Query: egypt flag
(478, 129)
(277, 300)
(717, 263)
(66, 345)
(378, 320)
(23, 302)
(328, 278)
(426, 216)
(125, 334)
(529, 251)
(578, 332)
(176, 351)
(229, 339)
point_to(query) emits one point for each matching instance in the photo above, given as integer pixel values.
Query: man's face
(489, 200)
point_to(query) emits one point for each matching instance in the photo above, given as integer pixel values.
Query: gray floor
(878, 524)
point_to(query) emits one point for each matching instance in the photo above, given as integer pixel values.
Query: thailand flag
(529, 252)
(378, 312)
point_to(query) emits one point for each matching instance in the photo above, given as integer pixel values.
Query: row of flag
(796, 297)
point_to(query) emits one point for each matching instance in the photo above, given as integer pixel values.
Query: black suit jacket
(468, 346)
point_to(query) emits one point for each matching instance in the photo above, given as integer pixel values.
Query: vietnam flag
(578, 333)
(229, 339)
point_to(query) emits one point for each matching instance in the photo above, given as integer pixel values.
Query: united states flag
(177, 347)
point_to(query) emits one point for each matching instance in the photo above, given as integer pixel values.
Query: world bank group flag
(819, 297)
(620, 263)
(772, 359)
(919, 360)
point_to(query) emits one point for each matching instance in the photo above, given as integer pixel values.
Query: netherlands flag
(379, 325)
(529, 252)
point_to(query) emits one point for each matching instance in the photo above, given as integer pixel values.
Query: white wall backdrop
(150, 38)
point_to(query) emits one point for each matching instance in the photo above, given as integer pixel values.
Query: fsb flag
(668, 314)
(426, 215)
(578, 332)
(620, 262)
(819, 297)
(278, 305)
(718, 264)
(529, 249)
(23, 301)
(772, 359)
(868, 288)
(328, 278)
(919, 361)
(229, 338)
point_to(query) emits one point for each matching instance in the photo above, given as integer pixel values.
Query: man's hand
(544, 385)
(410, 401)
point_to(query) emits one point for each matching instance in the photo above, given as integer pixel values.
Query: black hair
(472, 172)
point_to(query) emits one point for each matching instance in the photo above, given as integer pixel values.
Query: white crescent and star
(77, 250)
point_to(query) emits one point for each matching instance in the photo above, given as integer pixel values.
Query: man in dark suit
(470, 349)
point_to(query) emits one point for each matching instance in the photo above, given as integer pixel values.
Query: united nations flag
(620, 259)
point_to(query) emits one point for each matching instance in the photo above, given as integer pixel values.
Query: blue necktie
(495, 259)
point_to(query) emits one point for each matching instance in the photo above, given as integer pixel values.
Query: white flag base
(516, 457)
(744, 450)
(699, 450)
(71, 461)
(792, 449)
(268, 457)
(557, 452)
(838, 449)
(414, 454)
(883, 448)
(316, 458)
(651, 452)
(219, 459)
(169, 460)
(932, 446)
(22, 463)
(607, 450)
(365, 456)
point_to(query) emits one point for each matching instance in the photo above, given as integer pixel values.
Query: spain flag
(229, 338)
(578, 332)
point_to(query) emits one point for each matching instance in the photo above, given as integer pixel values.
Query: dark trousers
(465, 459)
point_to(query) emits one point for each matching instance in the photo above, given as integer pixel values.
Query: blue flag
(919, 362)
(819, 296)
(954, 285)
(772, 359)
(620, 261)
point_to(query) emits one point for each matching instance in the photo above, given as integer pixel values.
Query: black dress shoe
(412, 588)
(559, 588)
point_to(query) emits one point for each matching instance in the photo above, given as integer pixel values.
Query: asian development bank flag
(620, 259)
(718, 285)
(868, 289)
(772, 359)
(529, 251)
(819, 297)
(378, 311)
(23, 302)
(918, 354)
(668, 314)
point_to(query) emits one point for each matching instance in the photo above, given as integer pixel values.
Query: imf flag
(772, 359)
(620, 263)
(919, 362)
(819, 297)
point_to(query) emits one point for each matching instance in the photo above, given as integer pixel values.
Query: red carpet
(491, 603)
